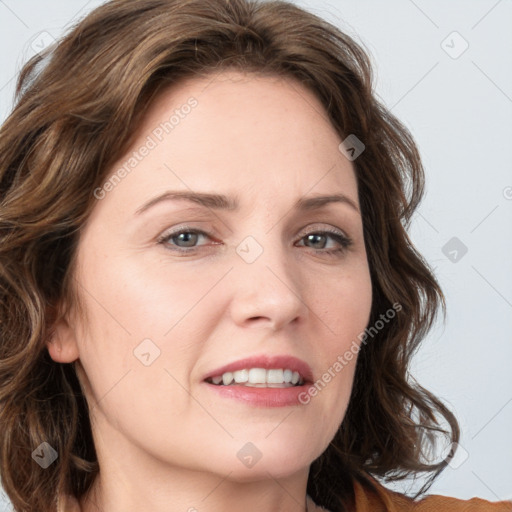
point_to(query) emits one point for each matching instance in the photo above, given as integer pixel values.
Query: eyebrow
(223, 202)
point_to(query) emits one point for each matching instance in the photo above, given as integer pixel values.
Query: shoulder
(384, 500)
(431, 503)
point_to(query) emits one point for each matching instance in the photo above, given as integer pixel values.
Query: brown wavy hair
(78, 105)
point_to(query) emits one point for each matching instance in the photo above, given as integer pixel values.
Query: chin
(263, 470)
(257, 460)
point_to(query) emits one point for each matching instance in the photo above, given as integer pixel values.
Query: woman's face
(171, 311)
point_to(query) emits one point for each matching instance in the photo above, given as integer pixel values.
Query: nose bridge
(270, 283)
(263, 246)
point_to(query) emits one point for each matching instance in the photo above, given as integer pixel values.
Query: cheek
(137, 349)
(133, 319)
(342, 305)
(147, 328)
(131, 298)
(343, 309)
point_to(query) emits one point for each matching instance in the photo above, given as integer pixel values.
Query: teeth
(275, 376)
(241, 376)
(259, 377)
(227, 378)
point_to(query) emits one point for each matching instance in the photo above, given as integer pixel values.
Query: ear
(62, 343)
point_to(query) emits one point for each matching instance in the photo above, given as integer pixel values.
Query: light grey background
(458, 105)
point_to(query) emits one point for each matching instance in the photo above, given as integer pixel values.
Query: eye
(185, 239)
(343, 241)
(186, 236)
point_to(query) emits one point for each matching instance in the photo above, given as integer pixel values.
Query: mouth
(262, 381)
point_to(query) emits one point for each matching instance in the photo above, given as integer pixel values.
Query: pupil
(314, 237)
(187, 235)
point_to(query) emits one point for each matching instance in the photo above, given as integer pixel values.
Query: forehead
(239, 132)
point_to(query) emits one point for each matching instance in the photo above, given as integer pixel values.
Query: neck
(131, 479)
(197, 493)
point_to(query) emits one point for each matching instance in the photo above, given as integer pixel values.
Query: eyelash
(344, 241)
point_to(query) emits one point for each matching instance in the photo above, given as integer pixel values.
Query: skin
(166, 442)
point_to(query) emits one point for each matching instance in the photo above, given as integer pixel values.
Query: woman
(171, 336)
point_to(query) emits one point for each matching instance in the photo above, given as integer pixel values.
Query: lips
(266, 392)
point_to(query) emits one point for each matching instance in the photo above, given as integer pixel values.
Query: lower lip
(262, 397)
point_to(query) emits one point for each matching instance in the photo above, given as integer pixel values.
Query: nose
(269, 291)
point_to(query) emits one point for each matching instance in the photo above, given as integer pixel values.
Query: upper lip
(268, 362)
